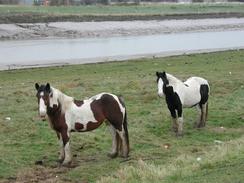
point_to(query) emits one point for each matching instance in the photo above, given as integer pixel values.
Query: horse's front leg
(61, 153)
(66, 144)
(180, 122)
(174, 125)
(180, 126)
(174, 120)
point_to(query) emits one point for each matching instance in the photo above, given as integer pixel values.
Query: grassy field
(19, 14)
(219, 146)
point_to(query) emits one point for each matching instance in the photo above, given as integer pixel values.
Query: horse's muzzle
(42, 114)
(42, 117)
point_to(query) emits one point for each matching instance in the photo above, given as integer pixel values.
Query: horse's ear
(164, 74)
(157, 74)
(37, 86)
(48, 88)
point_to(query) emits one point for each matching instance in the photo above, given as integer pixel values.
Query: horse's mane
(64, 100)
(172, 80)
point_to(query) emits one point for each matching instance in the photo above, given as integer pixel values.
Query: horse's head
(46, 98)
(162, 82)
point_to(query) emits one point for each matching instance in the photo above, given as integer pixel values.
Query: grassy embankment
(25, 138)
(19, 14)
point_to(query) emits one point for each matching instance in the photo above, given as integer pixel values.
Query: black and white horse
(193, 92)
(66, 115)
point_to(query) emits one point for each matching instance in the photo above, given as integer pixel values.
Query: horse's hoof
(112, 155)
(179, 134)
(199, 125)
(60, 160)
(39, 162)
(124, 155)
(67, 164)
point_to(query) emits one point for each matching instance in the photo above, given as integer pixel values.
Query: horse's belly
(80, 120)
(191, 100)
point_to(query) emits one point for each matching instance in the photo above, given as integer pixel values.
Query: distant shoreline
(69, 30)
(45, 18)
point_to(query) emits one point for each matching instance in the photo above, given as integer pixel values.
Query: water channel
(31, 53)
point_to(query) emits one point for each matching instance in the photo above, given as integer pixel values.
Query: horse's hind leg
(115, 142)
(120, 140)
(124, 143)
(204, 110)
(199, 118)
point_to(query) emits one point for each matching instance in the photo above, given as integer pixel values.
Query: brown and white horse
(68, 115)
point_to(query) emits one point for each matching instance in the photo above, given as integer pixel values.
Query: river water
(32, 53)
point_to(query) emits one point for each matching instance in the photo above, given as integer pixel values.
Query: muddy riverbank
(56, 30)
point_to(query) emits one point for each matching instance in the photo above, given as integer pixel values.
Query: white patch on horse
(82, 115)
(160, 87)
(42, 108)
(53, 97)
(67, 153)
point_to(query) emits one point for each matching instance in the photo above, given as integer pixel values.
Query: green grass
(26, 139)
(36, 14)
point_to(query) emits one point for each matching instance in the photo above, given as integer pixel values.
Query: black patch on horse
(172, 98)
(204, 90)
(173, 102)
(43, 88)
(78, 102)
(163, 76)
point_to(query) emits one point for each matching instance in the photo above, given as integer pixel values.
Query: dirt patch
(41, 174)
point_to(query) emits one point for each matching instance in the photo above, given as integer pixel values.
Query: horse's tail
(206, 111)
(126, 131)
(208, 93)
(125, 123)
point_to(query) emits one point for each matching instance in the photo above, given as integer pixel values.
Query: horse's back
(106, 97)
(196, 81)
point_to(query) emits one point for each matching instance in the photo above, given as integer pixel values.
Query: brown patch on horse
(108, 108)
(57, 121)
(79, 126)
(96, 107)
(78, 102)
(92, 125)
